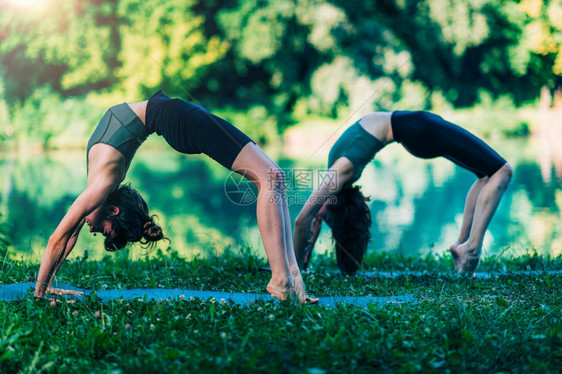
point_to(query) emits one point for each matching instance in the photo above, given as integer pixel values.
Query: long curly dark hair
(350, 221)
(132, 224)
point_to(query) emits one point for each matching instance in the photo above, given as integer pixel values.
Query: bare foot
(281, 289)
(454, 252)
(300, 289)
(280, 293)
(470, 264)
(468, 258)
(290, 291)
(310, 300)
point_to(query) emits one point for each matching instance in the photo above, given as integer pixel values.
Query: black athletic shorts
(191, 129)
(427, 135)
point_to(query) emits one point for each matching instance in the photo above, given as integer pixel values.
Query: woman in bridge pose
(121, 214)
(343, 207)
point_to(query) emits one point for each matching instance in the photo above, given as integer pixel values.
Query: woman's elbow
(55, 241)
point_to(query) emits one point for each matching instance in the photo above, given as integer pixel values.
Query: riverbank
(508, 323)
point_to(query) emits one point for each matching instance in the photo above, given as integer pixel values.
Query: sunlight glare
(29, 3)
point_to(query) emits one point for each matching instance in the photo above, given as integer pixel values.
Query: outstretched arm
(69, 246)
(71, 242)
(309, 222)
(307, 228)
(312, 236)
(64, 238)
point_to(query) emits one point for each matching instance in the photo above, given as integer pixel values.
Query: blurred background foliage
(63, 62)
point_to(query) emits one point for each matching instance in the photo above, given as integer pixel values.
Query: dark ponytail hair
(132, 224)
(350, 221)
(151, 232)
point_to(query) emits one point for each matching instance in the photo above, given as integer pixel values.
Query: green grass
(510, 323)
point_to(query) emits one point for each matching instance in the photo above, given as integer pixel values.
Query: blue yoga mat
(11, 292)
(478, 275)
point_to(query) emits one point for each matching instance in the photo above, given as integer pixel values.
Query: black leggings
(427, 135)
(191, 129)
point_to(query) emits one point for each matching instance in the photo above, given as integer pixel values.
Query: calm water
(416, 204)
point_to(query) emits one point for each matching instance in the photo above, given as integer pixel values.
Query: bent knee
(506, 172)
(272, 178)
(503, 175)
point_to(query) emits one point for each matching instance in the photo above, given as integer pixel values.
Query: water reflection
(416, 204)
(548, 136)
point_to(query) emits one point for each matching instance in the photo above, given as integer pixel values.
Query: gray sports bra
(357, 145)
(122, 129)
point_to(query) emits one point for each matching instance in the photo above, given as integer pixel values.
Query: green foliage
(459, 47)
(163, 44)
(48, 119)
(5, 237)
(463, 24)
(494, 117)
(292, 58)
(314, 59)
(255, 122)
(66, 45)
(258, 27)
